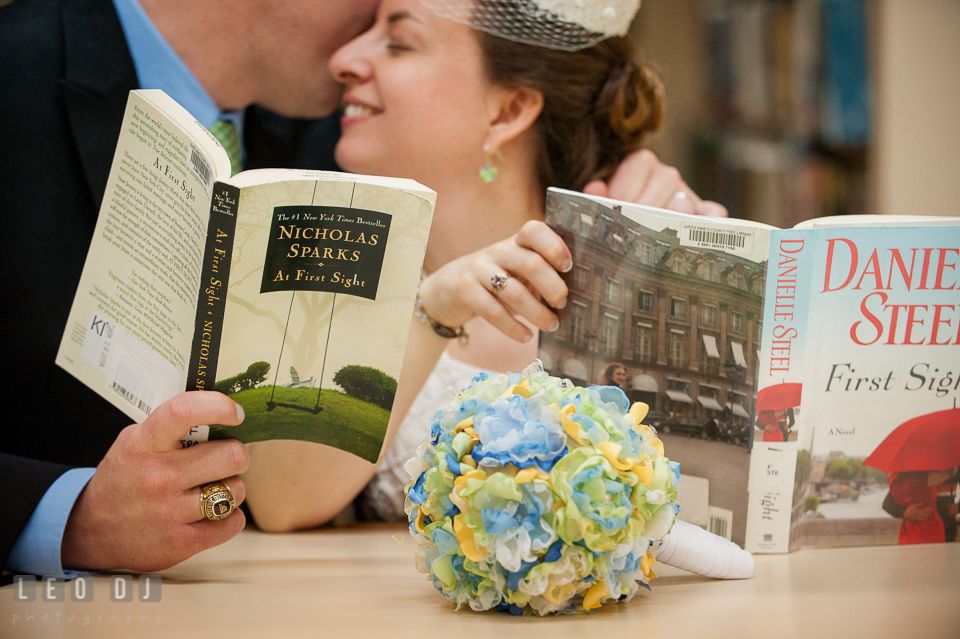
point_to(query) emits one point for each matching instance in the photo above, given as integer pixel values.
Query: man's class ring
(216, 500)
(498, 281)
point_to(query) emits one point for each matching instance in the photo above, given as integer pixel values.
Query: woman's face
(417, 98)
(619, 376)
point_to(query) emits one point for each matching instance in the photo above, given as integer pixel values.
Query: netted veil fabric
(567, 25)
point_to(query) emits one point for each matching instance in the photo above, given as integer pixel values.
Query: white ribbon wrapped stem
(692, 548)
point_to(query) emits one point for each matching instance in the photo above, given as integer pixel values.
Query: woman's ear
(512, 111)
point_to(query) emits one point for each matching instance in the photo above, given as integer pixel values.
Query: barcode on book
(130, 397)
(125, 381)
(720, 522)
(200, 166)
(730, 240)
(708, 236)
(131, 370)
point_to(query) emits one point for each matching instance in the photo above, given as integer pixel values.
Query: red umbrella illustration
(927, 442)
(779, 397)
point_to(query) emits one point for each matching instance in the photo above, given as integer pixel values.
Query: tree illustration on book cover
(324, 274)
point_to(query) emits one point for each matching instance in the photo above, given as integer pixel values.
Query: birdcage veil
(567, 25)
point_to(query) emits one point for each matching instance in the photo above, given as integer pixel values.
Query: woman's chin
(361, 163)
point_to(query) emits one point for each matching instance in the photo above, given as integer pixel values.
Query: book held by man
(701, 313)
(290, 290)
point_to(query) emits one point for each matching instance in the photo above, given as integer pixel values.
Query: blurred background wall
(788, 109)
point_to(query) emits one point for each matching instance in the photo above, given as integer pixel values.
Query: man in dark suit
(66, 67)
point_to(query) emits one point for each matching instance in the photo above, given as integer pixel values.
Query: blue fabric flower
(510, 436)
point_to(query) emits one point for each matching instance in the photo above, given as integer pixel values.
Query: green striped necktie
(226, 133)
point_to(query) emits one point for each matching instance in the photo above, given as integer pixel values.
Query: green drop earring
(488, 172)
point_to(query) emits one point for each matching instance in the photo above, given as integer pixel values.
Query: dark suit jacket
(65, 74)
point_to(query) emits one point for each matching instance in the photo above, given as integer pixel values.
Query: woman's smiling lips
(355, 112)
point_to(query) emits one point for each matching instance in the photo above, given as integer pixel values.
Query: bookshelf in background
(787, 133)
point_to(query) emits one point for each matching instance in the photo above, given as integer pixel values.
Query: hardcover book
(700, 313)
(860, 370)
(290, 290)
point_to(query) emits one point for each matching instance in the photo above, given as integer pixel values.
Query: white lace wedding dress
(384, 494)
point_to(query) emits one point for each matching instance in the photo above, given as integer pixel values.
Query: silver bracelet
(443, 331)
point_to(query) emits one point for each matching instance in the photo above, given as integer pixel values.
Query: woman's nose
(350, 64)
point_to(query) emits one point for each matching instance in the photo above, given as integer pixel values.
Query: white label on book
(196, 435)
(770, 489)
(200, 166)
(736, 241)
(133, 372)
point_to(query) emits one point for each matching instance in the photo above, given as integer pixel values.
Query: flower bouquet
(535, 495)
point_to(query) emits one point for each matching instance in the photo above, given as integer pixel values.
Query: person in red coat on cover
(916, 491)
(769, 421)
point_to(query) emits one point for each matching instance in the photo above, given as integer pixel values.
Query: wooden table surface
(361, 582)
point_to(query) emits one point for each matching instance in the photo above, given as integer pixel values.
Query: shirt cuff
(37, 551)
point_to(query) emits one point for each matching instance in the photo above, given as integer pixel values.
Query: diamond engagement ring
(498, 281)
(216, 500)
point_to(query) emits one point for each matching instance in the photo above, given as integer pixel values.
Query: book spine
(212, 296)
(782, 356)
(846, 111)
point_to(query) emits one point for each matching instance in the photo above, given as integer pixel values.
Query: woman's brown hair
(606, 377)
(598, 104)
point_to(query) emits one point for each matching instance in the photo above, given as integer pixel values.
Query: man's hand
(643, 179)
(141, 509)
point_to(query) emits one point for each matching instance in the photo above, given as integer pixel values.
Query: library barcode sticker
(736, 241)
(133, 371)
(201, 166)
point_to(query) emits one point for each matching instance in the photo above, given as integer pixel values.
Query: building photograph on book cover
(676, 325)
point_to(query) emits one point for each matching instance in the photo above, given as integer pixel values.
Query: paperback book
(292, 291)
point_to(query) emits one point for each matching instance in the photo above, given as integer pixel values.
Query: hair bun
(631, 102)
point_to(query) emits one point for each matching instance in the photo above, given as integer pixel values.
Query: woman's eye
(396, 45)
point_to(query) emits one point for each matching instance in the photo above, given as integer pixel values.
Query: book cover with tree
(317, 308)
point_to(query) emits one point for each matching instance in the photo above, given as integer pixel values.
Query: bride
(488, 103)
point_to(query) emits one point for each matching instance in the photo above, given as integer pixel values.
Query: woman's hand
(462, 289)
(916, 512)
(643, 179)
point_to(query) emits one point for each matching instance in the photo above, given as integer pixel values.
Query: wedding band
(682, 195)
(498, 281)
(216, 500)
